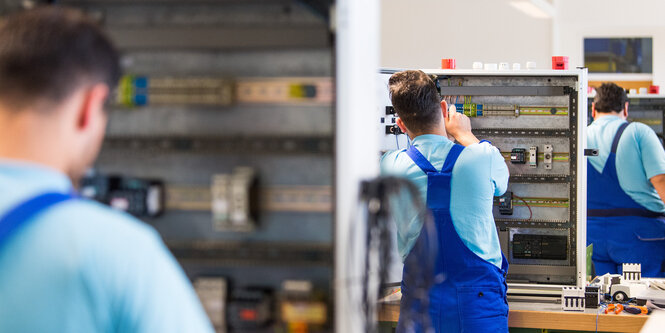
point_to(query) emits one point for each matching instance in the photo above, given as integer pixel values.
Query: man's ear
(400, 124)
(593, 110)
(625, 110)
(444, 109)
(92, 105)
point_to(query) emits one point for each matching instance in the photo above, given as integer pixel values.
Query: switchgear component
(518, 156)
(530, 246)
(506, 203)
(547, 157)
(139, 197)
(533, 157)
(234, 196)
(390, 110)
(393, 129)
(572, 299)
(250, 309)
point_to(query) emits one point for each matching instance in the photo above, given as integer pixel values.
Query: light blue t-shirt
(640, 156)
(479, 174)
(81, 267)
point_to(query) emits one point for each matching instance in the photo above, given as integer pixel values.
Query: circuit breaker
(537, 120)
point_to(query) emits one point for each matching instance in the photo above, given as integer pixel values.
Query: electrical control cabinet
(537, 119)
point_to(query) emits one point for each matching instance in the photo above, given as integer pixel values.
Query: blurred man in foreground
(68, 264)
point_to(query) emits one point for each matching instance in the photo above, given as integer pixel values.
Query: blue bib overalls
(17, 217)
(469, 293)
(620, 229)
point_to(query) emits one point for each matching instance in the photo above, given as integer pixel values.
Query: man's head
(57, 69)
(417, 102)
(610, 99)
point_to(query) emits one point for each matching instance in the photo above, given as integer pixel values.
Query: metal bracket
(539, 179)
(591, 152)
(547, 156)
(523, 223)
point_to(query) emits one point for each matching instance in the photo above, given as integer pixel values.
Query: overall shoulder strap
(420, 160)
(17, 216)
(454, 153)
(617, 136)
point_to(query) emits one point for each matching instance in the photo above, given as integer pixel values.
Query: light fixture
(534, 8)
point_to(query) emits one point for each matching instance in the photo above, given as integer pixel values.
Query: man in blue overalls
(458, 182)
(626, 188)
(68, 264)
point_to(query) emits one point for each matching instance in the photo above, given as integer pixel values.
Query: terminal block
(572, 299)
(632, 272)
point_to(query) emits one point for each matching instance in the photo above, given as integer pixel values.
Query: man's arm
(498, 171)
(653, 157)
(458, 126)
(658, 182)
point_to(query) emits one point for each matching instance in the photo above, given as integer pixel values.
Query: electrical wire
(381, 199)
(527, 206)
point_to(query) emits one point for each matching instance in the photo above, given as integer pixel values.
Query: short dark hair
(415, 99)
(610, 98)
(48, 52)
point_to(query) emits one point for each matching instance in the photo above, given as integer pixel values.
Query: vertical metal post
(356, 142)
(582, 120)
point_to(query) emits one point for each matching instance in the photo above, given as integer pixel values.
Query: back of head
(47, 53)
(416, 100)
(610, 98)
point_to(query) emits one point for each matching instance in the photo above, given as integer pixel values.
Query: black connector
(390, 110)
(506, 203)
(393, 129)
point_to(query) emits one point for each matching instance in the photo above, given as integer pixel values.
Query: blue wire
(597, 315)
(397, 141)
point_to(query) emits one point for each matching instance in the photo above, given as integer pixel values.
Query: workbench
(550, 316)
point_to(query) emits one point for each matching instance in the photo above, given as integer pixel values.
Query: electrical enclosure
(537, 119)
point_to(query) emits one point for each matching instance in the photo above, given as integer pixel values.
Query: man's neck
(605, 114)
(441, 131)
(31, 140)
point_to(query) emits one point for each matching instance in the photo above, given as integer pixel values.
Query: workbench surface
(550, 316)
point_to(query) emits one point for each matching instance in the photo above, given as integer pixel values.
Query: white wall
(611, 18)
(418, 33)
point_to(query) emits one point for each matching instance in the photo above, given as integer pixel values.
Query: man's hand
(458, 126)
